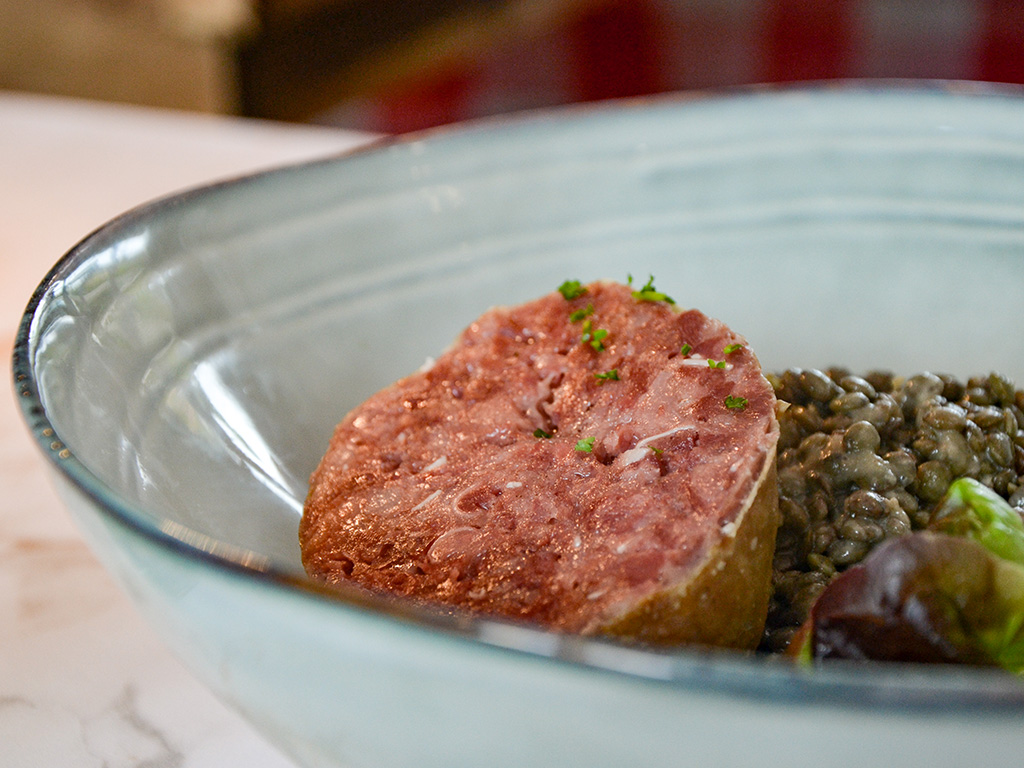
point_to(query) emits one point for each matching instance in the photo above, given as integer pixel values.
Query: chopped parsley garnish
(571, 289)
(586, 445)
(716, 363)
(685, 350)
(732, 348)
(579, 314)
(657, 451)
(538, 432)
(593, 336)
(612, 375)
(650, 293)
(735, 402)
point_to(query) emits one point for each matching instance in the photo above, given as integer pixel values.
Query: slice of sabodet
(595, 461)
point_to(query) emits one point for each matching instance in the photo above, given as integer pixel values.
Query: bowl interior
(194, 355)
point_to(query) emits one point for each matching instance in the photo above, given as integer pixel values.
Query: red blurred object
(432, 100)
(588, 50)
(617, 50)
(808, 39)
(1001, 51)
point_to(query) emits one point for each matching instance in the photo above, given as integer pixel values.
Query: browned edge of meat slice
(725, 603)
(517, 477)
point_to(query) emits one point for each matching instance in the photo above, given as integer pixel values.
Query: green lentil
(863, 458)
(861, 435)
(999, 449)
(862, 503)
(858, 384)
(933, 479)
(817, 385)
(946, 417)
(849, 401)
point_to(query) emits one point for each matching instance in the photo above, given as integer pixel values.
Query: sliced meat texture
(599, 464)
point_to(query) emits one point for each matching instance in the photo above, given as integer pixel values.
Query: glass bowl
(183, 367)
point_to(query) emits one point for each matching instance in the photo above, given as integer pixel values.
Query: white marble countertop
(84, 682)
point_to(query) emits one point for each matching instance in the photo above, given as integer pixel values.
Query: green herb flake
(580, 314)
(612, 375)
(593, 336)
(571, 289)
(538, 432)
(735, 402)
(650, 293)
(656, 451)
(586, 445)
(685, 350)
(732, 348)
(716, 363)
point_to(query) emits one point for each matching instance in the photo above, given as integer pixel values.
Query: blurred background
(399, 65)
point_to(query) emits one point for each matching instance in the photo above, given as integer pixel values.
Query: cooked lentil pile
(865, 458)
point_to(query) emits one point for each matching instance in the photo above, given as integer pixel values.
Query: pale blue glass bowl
(183, 367)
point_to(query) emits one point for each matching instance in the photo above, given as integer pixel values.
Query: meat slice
(601, 464)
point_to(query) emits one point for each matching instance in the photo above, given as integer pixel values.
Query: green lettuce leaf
(951, 594)
(973, 510)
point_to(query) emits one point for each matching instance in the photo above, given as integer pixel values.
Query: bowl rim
(839, 684)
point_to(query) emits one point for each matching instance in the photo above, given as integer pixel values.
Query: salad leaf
(974, 510)
(923, 597)
(954, 593)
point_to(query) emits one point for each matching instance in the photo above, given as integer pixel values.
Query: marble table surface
(84, 682)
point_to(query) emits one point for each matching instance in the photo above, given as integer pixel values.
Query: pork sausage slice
(599, 464)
